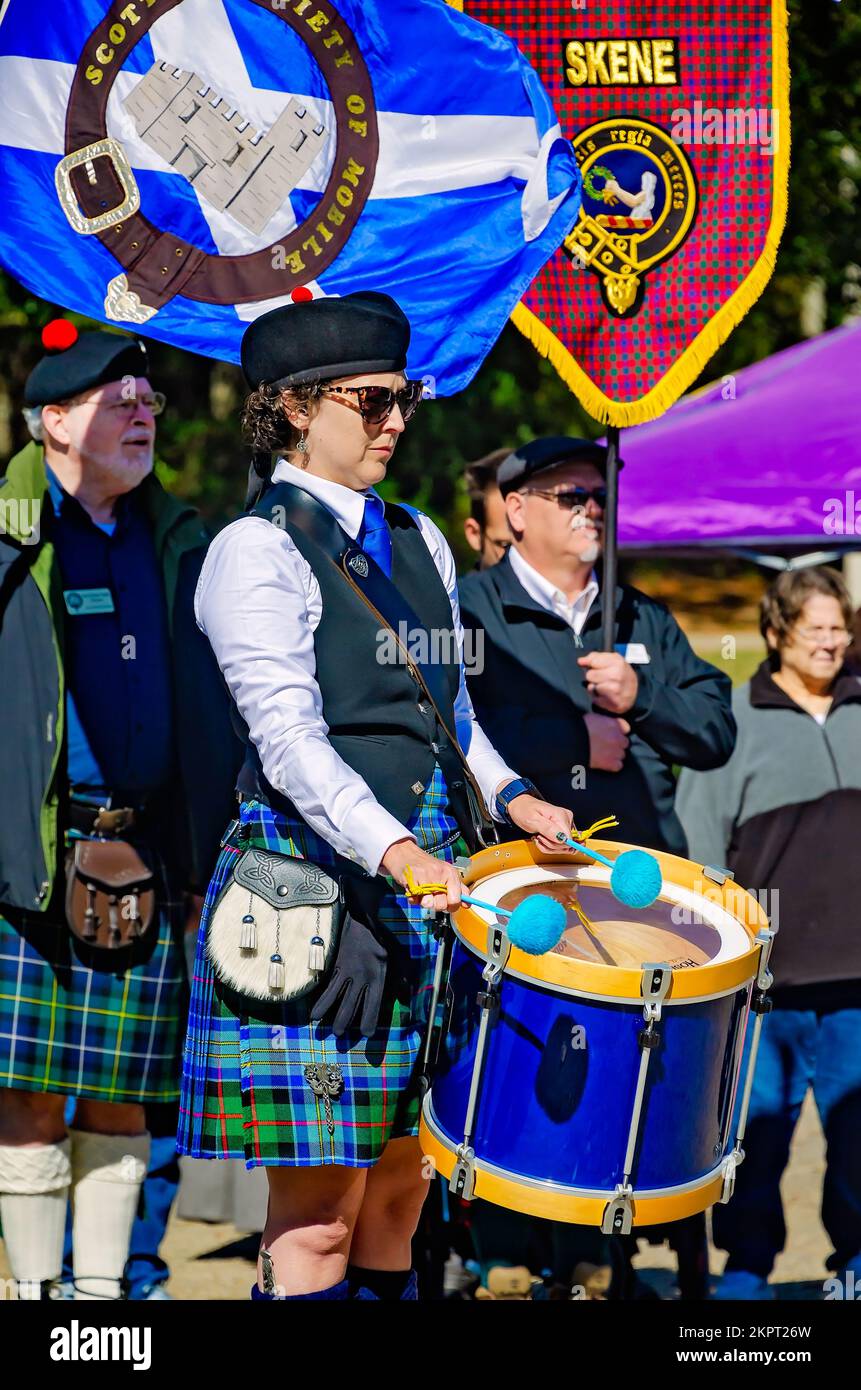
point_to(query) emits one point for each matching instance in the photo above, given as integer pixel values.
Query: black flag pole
(608, 632)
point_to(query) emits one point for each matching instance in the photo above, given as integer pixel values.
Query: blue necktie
(374, 536)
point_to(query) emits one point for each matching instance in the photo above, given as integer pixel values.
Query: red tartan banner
(679, 115)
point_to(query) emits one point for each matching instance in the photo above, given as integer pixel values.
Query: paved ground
(802, 1263)
(213, 1261)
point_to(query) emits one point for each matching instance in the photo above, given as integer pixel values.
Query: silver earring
(301, 446)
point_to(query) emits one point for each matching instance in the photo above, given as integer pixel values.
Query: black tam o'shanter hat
(75, 362)
(318, 339)
(547, 452)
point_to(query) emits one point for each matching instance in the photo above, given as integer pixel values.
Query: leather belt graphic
(98, 192)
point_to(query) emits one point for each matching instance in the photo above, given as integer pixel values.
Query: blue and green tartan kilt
(244, 1090)
(82, 1022)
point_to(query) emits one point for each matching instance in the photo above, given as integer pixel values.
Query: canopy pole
(608, 631)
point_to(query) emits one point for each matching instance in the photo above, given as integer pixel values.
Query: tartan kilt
(80, 1022)
(244, 1091)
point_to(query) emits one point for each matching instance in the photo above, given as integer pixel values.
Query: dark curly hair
(265, 422)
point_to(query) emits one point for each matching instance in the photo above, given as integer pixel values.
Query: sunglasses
(376, 403)
(575, 497)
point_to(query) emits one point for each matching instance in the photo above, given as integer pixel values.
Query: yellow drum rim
(609, 981)
(555, 1205)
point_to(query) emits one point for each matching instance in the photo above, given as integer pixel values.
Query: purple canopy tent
(770, 458)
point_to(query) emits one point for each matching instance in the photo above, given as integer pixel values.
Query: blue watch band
(516, 788)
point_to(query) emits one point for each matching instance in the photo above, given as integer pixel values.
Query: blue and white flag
(178, 167)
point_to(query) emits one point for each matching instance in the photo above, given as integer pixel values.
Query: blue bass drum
(595, 1084)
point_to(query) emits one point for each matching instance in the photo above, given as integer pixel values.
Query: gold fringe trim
(693, 359)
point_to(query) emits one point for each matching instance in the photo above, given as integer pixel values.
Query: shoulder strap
(286, 502)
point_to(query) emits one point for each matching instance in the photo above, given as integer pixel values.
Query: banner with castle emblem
(180, 166)
(679, 117)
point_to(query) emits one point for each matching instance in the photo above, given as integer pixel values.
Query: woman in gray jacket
(784, 814)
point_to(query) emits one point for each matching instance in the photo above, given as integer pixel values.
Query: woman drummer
(352, 765)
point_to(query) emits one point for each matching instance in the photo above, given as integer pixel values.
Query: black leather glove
(353, 995)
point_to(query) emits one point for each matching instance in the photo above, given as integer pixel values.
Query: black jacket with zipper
(530, 697)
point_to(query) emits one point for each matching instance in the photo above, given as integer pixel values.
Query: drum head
(683, 928)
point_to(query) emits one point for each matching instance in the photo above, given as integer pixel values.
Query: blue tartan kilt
(96, 1024)
(244, 1088)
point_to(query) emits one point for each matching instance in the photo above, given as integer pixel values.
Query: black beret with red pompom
(318, 339)
(76, 362)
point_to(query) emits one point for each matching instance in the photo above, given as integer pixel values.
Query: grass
(738, 654)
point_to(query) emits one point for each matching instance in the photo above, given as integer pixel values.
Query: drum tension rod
(760, 1005)
(437, 1028)
(462, 1181)
(655, 982)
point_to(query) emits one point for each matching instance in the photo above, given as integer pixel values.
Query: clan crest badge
(639, 203)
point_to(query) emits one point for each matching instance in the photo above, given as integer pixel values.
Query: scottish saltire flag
(178, 167)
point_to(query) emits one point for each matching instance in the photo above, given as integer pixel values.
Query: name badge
(635, 653)
(81, 602)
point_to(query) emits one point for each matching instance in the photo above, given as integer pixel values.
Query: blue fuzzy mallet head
(536, 924)
(635, 878)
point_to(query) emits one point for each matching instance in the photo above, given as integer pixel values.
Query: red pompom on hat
(301, 295)
(58, 335)
(75, 362)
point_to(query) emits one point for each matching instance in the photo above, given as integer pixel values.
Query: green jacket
(33, 694)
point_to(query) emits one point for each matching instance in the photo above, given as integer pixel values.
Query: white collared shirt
(259, 603)
(548, 596)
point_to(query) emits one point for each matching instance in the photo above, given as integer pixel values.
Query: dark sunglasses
(575, 497)
(376, 403)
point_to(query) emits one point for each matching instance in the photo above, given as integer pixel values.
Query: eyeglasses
(155, 402)
(376, 403)
(818, 636)
(575, 497)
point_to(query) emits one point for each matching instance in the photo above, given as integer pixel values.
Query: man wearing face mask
(116, 766)
(604, 726)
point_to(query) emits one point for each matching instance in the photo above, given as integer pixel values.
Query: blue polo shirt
(119, 699)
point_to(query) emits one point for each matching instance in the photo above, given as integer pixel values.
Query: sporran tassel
(276, 973)
(114, 922)
(248, 936)
(317, 957)
(91, 920)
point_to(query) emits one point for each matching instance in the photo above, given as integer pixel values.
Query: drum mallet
(535, 925)
(635, 876)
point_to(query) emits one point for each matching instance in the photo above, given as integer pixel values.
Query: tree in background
(816, 285)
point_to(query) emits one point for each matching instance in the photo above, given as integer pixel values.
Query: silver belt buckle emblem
(112, 150)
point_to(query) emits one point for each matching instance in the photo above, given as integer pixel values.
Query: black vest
(380, 720)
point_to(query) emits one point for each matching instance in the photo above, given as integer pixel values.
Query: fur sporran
(274, 928)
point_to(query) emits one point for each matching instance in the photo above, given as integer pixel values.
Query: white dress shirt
(548, 596)
(259, 603)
